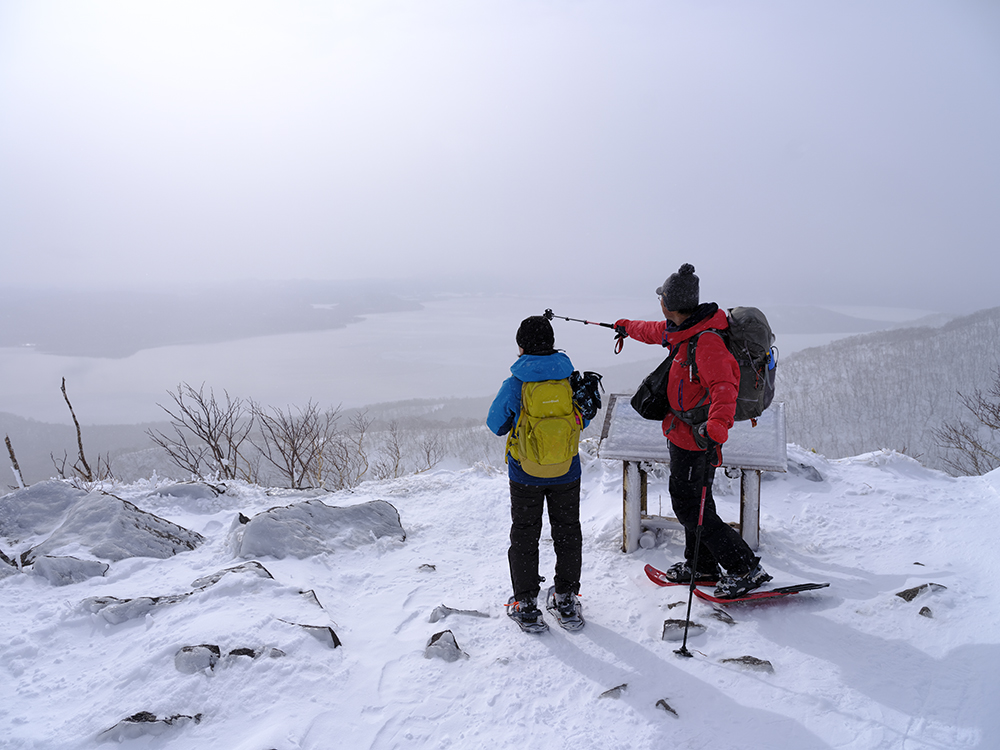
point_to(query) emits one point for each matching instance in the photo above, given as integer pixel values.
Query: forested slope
(889, 389)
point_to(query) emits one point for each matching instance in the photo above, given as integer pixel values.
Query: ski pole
(683, 650)
(619, 336)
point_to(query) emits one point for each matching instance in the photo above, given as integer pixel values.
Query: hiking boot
(565, 608)
(734, 586)
(681, 573)
(527, 615)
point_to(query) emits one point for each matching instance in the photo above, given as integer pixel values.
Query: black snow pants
(526, 503)
(720, 543)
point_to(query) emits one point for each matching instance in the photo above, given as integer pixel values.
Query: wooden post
(633, 504)
(750, 507)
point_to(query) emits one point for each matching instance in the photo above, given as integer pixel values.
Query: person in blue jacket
(538, 360)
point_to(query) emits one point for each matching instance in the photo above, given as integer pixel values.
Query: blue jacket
(506, 407)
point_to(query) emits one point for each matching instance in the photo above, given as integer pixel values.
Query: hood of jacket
(531, 368)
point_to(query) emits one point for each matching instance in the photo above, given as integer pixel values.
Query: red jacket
(717, 374)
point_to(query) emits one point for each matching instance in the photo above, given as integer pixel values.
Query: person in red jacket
(707, 403)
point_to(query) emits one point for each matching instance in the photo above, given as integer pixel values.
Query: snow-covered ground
(854, 666)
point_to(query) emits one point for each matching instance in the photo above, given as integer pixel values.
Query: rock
(926, 612)
(193, 659)
(312, 527)
(109, 528)
(910, 594)
(752, 663)
(322, 633)
(444, 646)
(62, 571)
(662, 703)
(38, 509)
(673, 630)
(250, 568)
(145, 723)
(615, 692)
(116, 611)
(722, 616)
(427, 568)
(442, 612)
(805, 471)
(189, 491)
(243, 652)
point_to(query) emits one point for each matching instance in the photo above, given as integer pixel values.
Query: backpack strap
(699, 412)
(692, 351)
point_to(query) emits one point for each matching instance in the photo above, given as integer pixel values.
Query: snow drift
(401, 641)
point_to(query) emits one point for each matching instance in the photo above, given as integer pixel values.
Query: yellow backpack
(547, 433)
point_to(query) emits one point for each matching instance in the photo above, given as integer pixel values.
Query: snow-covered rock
(114, 529)
(444, 646)
(61, 571)
(311, 528)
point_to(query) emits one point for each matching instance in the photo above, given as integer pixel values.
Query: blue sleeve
(505, 408)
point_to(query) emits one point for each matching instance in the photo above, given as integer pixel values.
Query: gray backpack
(750, 340)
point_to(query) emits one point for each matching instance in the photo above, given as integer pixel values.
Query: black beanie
(680, 290)
(535, 335)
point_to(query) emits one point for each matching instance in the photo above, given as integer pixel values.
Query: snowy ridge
(854, 665)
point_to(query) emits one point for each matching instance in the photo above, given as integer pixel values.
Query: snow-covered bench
(637, 442)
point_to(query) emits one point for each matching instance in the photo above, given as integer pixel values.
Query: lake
(456, 346)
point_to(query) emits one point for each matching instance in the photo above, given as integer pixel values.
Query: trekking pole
(619, 335)
(683, 650)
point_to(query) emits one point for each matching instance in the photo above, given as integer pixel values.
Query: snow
(333, 649)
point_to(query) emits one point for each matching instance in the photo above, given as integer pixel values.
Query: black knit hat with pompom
(680, 290)
(535, 335)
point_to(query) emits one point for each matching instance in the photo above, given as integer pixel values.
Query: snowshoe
(735, 586)
(566, 608)
(527, 615)
(680, 572)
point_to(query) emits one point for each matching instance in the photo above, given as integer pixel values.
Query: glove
(700, 434)
(716, 431)
(620, 326)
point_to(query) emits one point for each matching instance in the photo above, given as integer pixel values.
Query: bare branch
(81, 466)
(293, 442)
(973, 448)
(13, 463)
(208, 435)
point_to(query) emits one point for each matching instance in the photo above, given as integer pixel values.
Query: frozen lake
(453, 347)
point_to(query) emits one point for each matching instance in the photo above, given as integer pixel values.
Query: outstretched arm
(646, 331)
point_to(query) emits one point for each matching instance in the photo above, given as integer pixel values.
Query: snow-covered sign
(752, 447)
(628, 437)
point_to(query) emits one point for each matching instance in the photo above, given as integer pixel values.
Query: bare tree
(346, 455)
(389, 464)
(208, 435)
(972, 448)
(81, 467)
(431, 450)
(295, 442)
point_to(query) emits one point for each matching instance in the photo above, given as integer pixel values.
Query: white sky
(841, 152)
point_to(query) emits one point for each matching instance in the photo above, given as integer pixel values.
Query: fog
(826, 152)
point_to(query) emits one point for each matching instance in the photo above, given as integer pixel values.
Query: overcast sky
(826, 151)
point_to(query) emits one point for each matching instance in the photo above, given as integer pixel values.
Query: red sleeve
(647, 331)
(718, 371)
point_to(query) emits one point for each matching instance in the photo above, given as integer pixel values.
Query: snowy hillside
(889, 390)
(329, 649)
